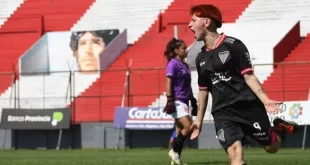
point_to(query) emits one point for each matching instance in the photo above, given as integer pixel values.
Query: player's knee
(273, 148)
(275, 144)
(186, 125)
(186, 131)
(235, 153)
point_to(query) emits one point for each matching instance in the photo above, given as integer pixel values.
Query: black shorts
(235, 122)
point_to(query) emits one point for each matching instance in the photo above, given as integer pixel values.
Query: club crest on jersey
(223, 56)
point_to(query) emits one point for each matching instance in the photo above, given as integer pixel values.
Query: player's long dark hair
(171, 46)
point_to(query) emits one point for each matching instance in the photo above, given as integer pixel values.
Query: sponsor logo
(217, 77)
(142, 118)
(150, 113)
(261, 136)
(57, 118)
(281, 113)
(257, 134)
(35, 119)
(54, 120)
(229, 40)
(247, 55)
(202, 63)
(295, 111)
(28, 118)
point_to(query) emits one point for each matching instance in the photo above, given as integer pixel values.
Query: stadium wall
(287, 44)
(117, 46)
(103, 135)
(193, 51)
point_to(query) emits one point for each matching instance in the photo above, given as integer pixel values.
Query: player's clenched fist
(170, 105)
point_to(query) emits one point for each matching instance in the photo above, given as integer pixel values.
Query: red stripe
(219, 42)
(246, 70)
(203, 88)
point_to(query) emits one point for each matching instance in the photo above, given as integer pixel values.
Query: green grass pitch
(147, 157)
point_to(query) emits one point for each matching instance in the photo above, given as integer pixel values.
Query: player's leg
(230, 136)
(171, 142)
(278, 132)
(172, 138)
(175, 132)
(260, 130)
(235, 153)
(272, 137)
(183, 122)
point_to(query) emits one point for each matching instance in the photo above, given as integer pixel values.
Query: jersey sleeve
(244, 63)
(202, 82)
(170, 69)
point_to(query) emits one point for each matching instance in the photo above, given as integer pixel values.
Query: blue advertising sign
(142, 118)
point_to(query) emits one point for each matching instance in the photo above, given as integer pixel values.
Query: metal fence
(131, 86)
(291, 79)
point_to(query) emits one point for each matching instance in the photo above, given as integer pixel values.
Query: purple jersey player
(179, 73)
(179, 93)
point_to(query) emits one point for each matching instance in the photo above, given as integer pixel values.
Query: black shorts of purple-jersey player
(179, 94)
(240, 105)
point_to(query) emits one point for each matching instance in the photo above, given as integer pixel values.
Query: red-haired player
(240, 104)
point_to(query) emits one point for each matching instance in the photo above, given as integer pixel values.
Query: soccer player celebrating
(179, 93)
(240, 104)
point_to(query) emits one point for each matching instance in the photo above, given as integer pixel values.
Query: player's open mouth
(194, 33)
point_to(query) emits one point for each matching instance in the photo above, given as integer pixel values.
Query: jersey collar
(218, 43)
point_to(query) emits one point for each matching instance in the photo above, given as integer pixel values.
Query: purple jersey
(180, 74)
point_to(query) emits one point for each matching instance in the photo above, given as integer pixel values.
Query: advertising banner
(145, 118)
(297, 111)
(36, 118)
(142, 118)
